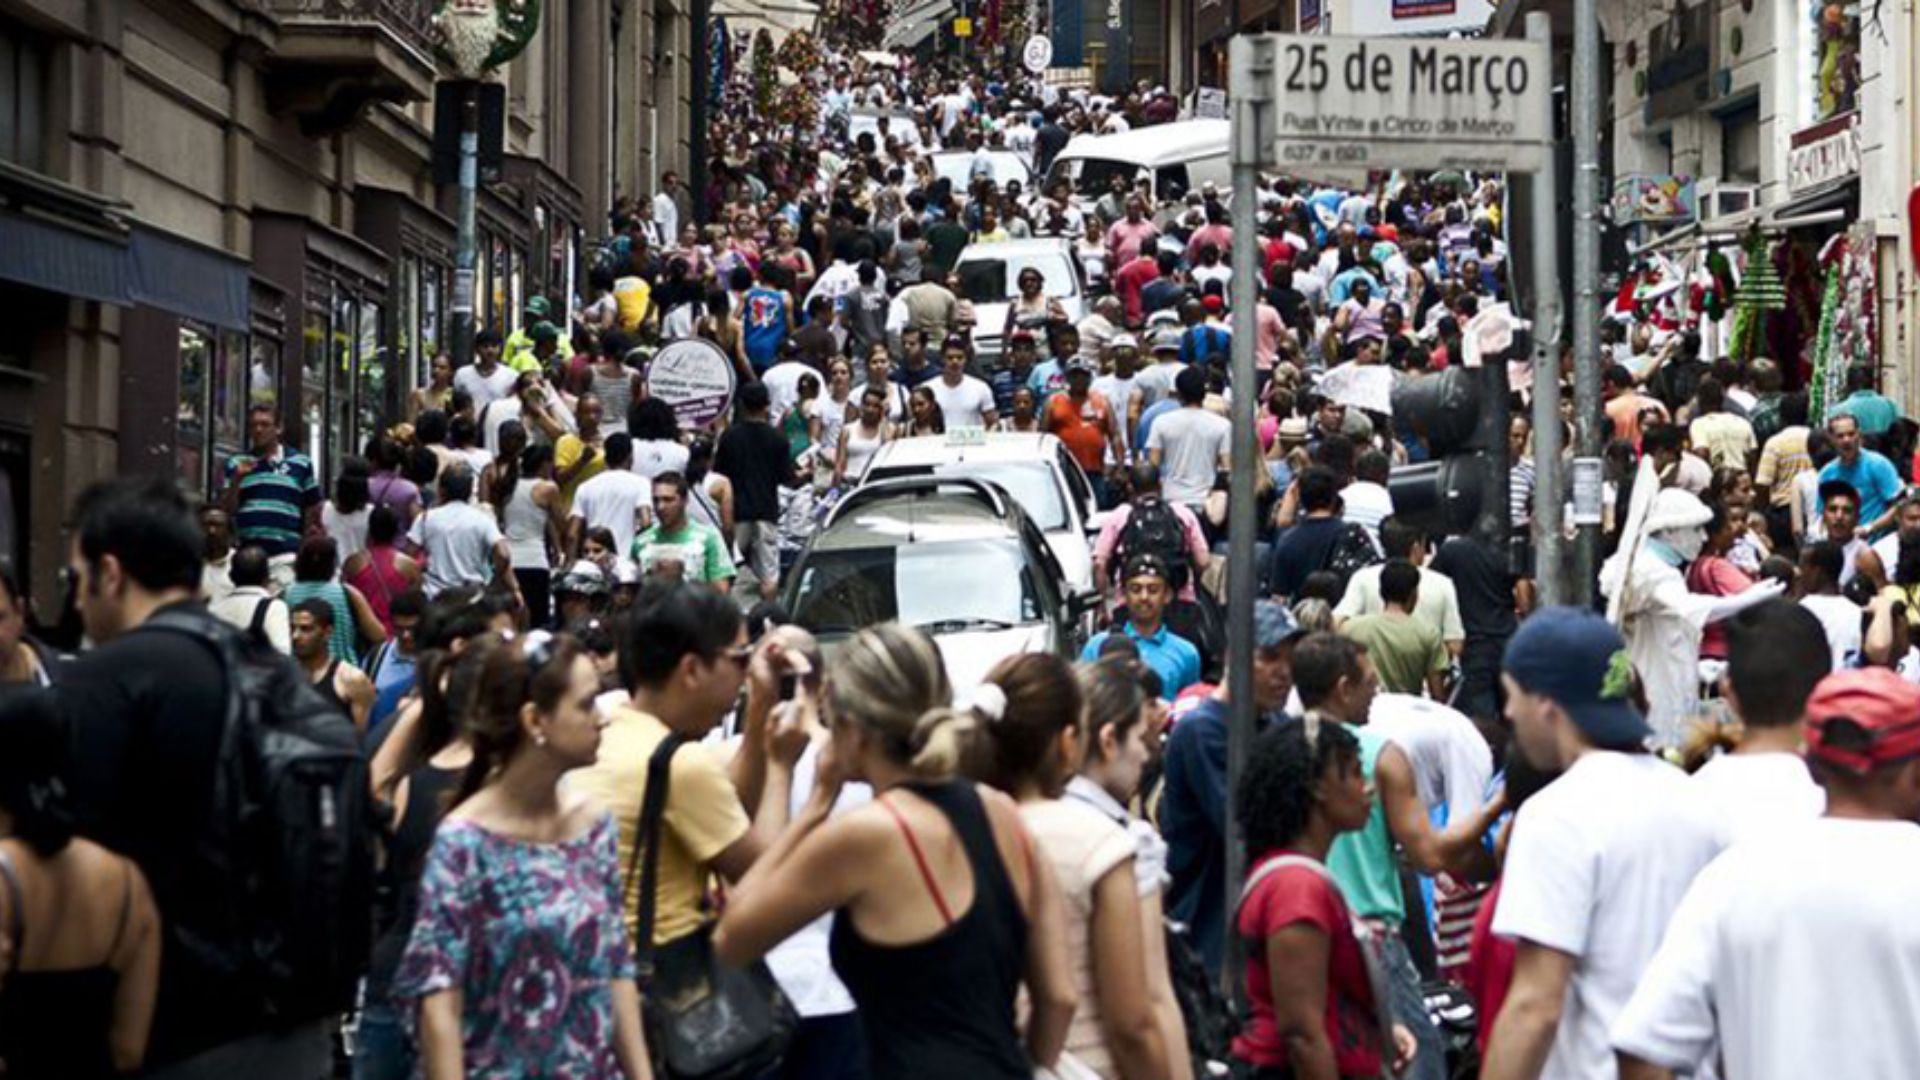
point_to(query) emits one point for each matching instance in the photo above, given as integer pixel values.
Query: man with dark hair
(1870, 473)
(463, 543)
(1817, 580)
(271, 493)
(684, 657)
(1148, 593)
(250, 604)
(1366, 501)
(678, 546)
(1726, 439)
(1407, 650)
(341, 683)
(146, 709)
(1625, 404)
(392, 665)
(1799, 956)
(1597, 861)
(1783, 457)
(618, 500)
(1337, 684)
(1875, 413)
(487, 380)
(758, 461)
(1679, 467)
(1437, 603)
(1190, 445)
(1305, 547)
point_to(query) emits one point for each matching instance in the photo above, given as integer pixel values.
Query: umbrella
(1368, 387)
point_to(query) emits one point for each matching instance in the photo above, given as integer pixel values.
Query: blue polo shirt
(1873, 476)
(1173, 657)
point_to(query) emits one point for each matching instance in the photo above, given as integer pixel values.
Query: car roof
(1037, 245)
(993, 446)
(1156, 144)
(916, 517)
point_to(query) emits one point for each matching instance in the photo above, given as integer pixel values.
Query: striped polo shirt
(269, 511)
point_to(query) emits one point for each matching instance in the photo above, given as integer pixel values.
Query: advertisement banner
(1069, 34)
(1401, 18)
(1309, 19)
(1655, 199)
(695, 377)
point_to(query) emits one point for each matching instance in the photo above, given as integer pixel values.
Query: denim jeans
(1410, 1008)
(382, 1051)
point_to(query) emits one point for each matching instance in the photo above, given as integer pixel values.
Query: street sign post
(1037, 55)
(1371, 103)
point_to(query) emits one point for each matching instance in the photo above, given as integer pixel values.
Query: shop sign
(1826, 153)
(1656, 199)
(1407, 17)
(1409, 103)
(695, 377)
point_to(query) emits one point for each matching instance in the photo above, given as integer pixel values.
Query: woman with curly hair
(1317, 1012)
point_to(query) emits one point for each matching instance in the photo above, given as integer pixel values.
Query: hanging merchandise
(1821, 390)
(1846, 332)
(1760, 293)
(766, 77)
(720, 56)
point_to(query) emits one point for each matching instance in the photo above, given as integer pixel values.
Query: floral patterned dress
(532, 935)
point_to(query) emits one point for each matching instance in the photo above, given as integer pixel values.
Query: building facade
(206, 204)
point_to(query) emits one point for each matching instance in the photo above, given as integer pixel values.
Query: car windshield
(944, 586)
(958, 168)
(1031, 483)
(987, 279)
(1094, 176)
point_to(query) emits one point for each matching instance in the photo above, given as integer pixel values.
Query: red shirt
(1489, 972)
(1082, 426)
(1286, 897)
(1713, 575)
(1129, 280)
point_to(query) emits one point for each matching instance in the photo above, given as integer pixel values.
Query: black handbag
(704, 1020)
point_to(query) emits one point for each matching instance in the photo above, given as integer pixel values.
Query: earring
(540, 738)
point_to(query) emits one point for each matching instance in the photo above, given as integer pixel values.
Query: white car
(1035, 469)
(956, 167)
(990, 279)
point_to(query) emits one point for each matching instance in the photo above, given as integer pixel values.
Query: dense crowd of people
(534, 633)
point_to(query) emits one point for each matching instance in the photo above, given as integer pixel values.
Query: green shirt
(697, 547)
(1362, 862)
(1405, 649)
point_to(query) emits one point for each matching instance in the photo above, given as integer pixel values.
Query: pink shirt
(1109, 541)
(1126, 238)
(1269, 328)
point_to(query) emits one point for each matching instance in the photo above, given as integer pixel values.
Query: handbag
(704, 1020)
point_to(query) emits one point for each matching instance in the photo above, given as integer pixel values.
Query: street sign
(1372, 103)
(1038, 54)
(963, 27)
(695, 377)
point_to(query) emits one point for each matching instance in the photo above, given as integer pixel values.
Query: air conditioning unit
(1719, 199)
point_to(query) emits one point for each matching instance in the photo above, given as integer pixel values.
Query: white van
(1173, 158)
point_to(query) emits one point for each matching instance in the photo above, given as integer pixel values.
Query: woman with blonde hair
(945, 912)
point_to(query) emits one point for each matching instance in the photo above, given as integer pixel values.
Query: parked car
(990, 279)
(956, 167)
(956, 557)
(1035, 469)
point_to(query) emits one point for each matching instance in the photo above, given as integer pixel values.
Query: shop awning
(917, 23)
(180, 276)
(1841, 196)
(61, 259)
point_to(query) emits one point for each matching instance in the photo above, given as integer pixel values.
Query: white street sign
(1038, 54)
(1372, 103)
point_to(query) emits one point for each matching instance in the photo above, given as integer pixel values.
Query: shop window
(345, 341)
(263, 371)
(190, 436)
(313, 374)
(433, 293)
(232, 393)
(373, 394)
(23, 97)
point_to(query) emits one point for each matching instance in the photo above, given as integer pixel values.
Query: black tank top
(57, 1024)
(407, 847)
(328, 691)
(943, 1009)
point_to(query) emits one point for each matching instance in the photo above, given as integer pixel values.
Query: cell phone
(789, 686)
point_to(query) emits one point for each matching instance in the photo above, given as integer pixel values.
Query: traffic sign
(1372, 103)
(963, 27)
(1037, 56)
(695, 377)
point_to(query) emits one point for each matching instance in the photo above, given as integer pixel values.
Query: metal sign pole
(1250, 63)
(1585, 87)
(1549, 540)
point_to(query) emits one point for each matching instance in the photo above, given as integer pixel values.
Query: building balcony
(336, 57)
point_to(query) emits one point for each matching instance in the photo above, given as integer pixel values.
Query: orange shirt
(1625, 412)
(1083, 427)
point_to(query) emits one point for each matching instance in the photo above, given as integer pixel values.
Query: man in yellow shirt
(688, 656)
(577, 458)
(520, 343)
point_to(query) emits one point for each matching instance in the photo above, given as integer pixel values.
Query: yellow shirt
(703, 818)
(566, 451)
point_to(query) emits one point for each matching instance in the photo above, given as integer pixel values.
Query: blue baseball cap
(1577, 660)
(1274, 625)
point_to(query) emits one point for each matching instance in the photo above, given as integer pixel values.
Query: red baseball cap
(1211, 302)
(1859, 719)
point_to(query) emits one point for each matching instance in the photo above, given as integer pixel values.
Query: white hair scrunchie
(988, 700)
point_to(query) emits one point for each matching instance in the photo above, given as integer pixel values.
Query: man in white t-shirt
(617, 499)
(1596, 862)
(1437, 602)
(965, 402)
(783, 382)
(462, 540)
(1776, 654)
(487, 380)
(1819, 582)
(1799, 955)
(1189, 445)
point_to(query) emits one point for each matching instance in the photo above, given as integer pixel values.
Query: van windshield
(1095, 175)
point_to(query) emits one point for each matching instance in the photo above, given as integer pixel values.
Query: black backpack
(291, 831)
(1209, 1018)
(1354, 550)
(1154, 529)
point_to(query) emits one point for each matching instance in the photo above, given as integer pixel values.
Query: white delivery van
(1173, 158)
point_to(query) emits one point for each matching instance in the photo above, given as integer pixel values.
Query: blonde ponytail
(942, 741)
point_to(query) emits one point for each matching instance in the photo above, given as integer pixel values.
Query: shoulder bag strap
(646, 850)
(257, 626)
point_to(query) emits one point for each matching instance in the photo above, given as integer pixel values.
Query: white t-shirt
(1366, 504)
(1756, 794)
(610, 500)
(1437, 602)
(1452, 763)
(783, 386)
(963, 406)
(651, 457)
(1840, 618)
(458, 538)
(1155, 382)
(1800, 953)
(486, 389)
(1597, 863)
(1192, 442)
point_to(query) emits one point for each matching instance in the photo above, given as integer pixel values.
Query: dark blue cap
(1577, 660)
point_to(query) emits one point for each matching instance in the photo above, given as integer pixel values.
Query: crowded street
(938, 540)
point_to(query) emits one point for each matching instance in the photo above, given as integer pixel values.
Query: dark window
(23, 99)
